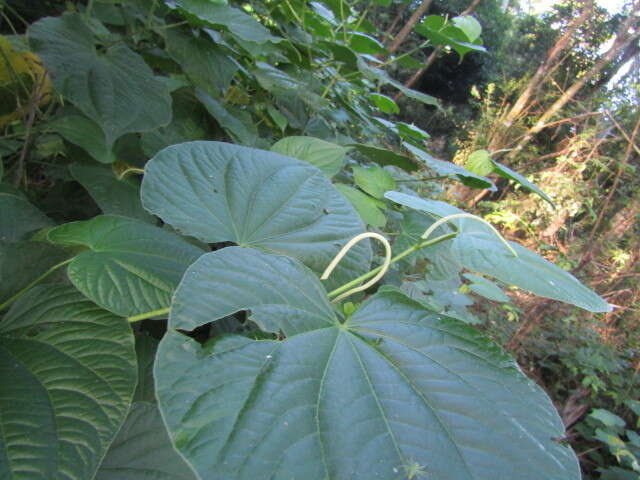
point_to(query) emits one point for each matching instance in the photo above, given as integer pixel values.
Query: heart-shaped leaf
(477, 248)
(68, 370)
(131, 267)
(375, 180)
(367, 207)
(219, 192)
(142, 450)
(396, 387)
(114, 88)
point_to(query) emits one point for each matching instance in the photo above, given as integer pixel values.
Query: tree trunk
(416, 76)
(533, 87)
(389, 32)
(623, 38)
(408, 27)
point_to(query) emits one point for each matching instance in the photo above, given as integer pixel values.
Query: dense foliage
(177, 177)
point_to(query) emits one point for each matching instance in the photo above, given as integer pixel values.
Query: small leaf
(608, 418)
(72, 369)
(363, 43)
(279, 119)
(410, 131)
(327, 156)
(367, 207)
(374, 180)
(241, 131)
(441, 167)
(480, 163)
(469, 25)
(486, 288)
(131, 267)
(383, 157)
(384, 103)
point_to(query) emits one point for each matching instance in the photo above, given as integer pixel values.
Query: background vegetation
(553, 96)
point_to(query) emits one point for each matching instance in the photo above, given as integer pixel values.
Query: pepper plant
(181, 178)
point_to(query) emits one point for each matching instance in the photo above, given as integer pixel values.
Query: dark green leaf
(85, 133)
(131, 267)
(203, 62)
(219, 192)
(116, 89)
(114, 196)
(72, 373)
(23, 262)
(384, 157)
(394, 387)
(142, 450)
(19, 218)
(243, 132)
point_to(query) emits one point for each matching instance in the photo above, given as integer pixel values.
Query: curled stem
(382, 270)
(446, 219)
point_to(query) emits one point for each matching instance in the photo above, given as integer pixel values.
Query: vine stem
(146, 315)
(414, 248)
(382, 270)
(35, 282)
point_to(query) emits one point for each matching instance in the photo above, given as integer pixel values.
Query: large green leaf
(477, 248)
(113, 195)
(130, 267)
(142, 450)
(68, 370)
(219, 192)
(327, 156)
(239, 23)
(114, 88)
(18, 218)
(394, 388)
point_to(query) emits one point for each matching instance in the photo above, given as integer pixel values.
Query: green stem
(400, 256)
(35, 282)
(145, 315)
(406, 54)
